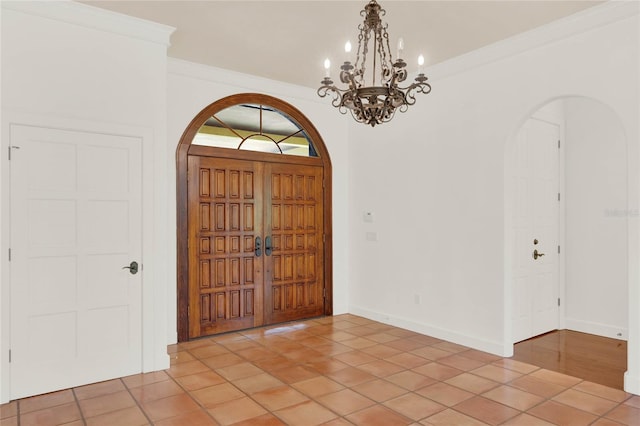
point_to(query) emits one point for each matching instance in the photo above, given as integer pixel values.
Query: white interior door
(536, 278)
(75, 223)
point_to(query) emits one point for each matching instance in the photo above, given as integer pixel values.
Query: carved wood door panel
(255, 243)
(294, 272)
(225, 275)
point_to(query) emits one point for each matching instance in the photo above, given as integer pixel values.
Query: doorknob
(267, 246)
(536, 255)
(133, 267)
(258, 247)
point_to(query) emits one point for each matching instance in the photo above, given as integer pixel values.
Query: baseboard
(631, 384)
(597, 329)
(492, 347)
(172, 338)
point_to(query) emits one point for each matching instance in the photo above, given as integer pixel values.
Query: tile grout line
(205, 409)
(351, 387)
(375, 377)
(138, 403)
(361, 350)
(551, 398)
(408, 391)
(273, 413)
(377, 355)
(346, 330)
(289, 385)
(75, 397)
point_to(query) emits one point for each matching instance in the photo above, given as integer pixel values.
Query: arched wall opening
(595, 253)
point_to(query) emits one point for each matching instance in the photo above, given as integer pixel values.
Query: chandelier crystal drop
(374, 104)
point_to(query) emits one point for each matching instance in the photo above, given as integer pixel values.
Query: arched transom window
(255, 127)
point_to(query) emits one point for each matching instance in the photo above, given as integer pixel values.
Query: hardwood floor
(593, 358)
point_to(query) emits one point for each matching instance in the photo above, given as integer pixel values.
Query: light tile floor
(335, 371)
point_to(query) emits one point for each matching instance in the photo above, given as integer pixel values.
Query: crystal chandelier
(375, 104)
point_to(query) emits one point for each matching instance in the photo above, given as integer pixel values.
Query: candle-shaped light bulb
(327, 67)
(400, 47)
(420, 64)
(347, 47)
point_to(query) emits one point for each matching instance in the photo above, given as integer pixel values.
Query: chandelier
(375, 104)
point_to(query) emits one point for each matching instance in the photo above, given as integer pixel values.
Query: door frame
(182, 152)
(632, 243)
(154, 302)
(510, 195)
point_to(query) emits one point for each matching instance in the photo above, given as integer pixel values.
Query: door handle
(267, 246)
(258, 247)
(536, 254)
(133, 267)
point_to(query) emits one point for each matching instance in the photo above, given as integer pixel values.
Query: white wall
(596, 220)
(67, 65)
(192, 87)
(434, 178)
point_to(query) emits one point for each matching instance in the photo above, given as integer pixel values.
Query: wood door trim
(185, 148)
(207, 151)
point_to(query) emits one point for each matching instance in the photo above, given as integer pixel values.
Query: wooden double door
(255, 243)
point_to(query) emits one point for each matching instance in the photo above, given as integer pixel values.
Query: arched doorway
(253, 217)
(592, 260)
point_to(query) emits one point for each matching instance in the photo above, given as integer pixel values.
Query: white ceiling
(289, 40)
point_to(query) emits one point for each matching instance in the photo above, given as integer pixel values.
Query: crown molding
(95, 18)
(242, 81)
(586, 20)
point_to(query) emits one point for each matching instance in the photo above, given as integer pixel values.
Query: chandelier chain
(363, 48)
(385, 71)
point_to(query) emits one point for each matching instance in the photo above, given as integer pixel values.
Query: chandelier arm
(337, 96)
(414, 89)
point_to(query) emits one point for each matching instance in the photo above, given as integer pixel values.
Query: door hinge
(558, 196)
(322, 182)
(324, 238)
(188, 311)
(9, 255)
(558, 143)
(558, 249)
(9, 355)
(558, 301)
(324, 293)
(10, 148)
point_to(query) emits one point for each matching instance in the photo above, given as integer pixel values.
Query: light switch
(367, 216)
